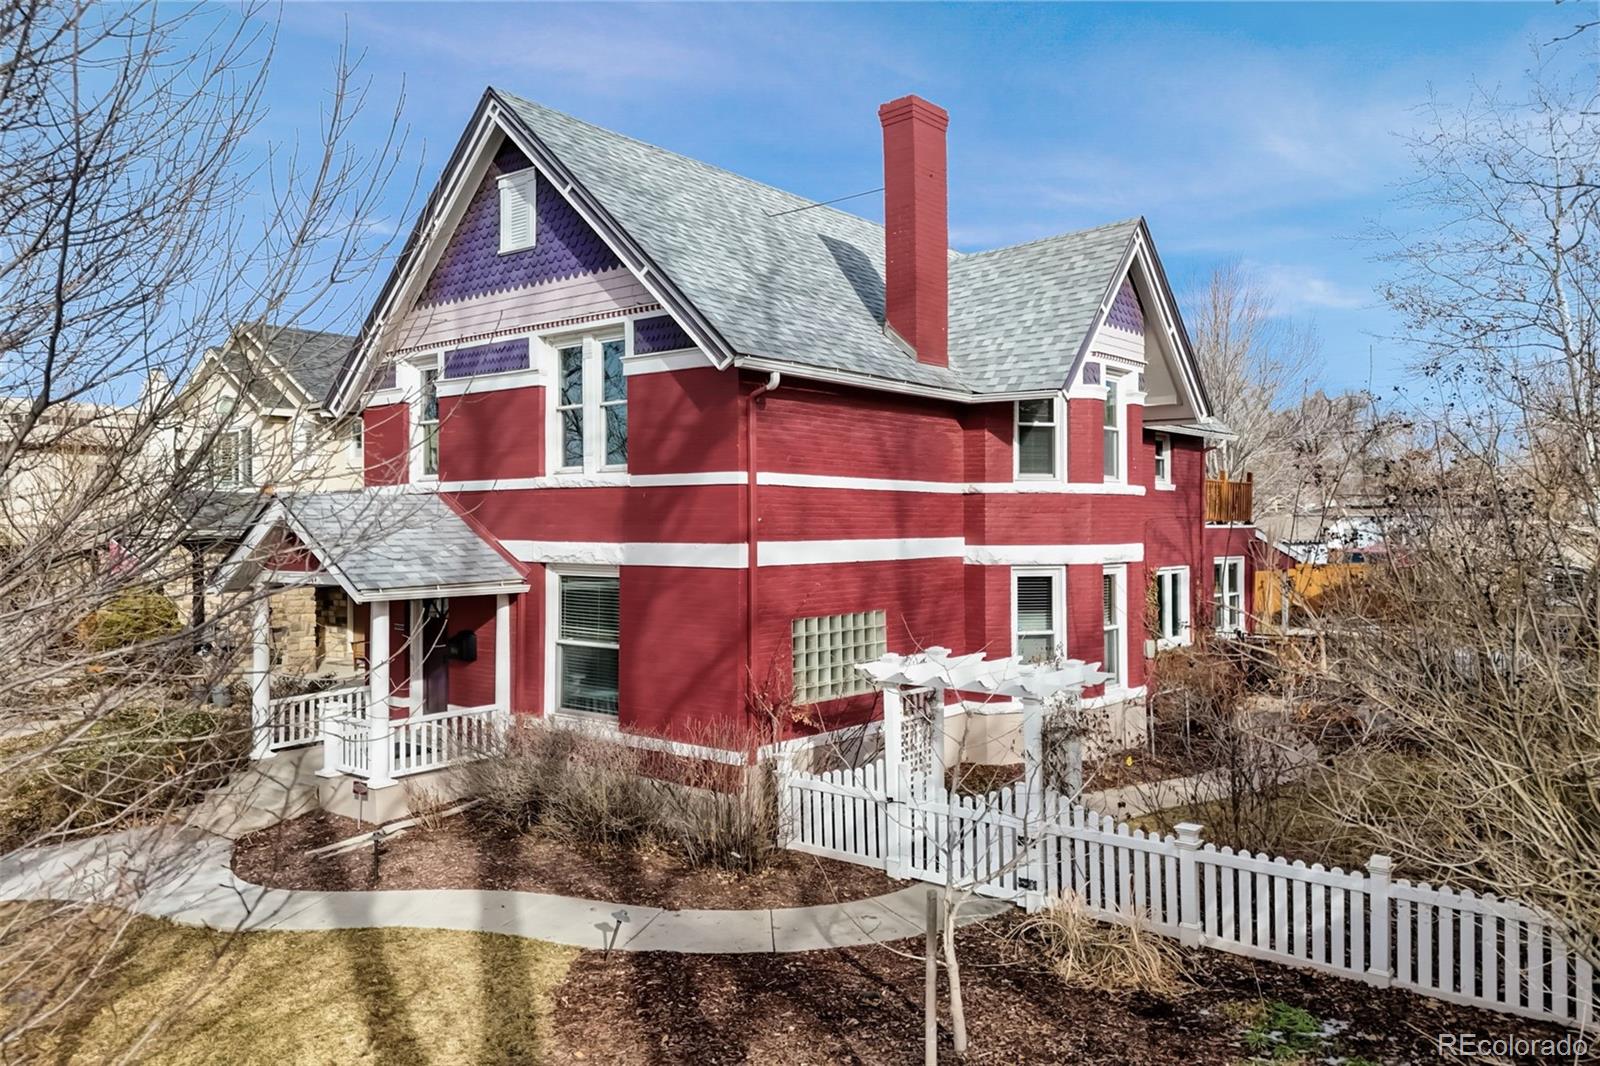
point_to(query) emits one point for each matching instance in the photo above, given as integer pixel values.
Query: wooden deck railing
(1229, 502)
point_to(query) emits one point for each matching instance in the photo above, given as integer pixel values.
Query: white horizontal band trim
(1052, 554)
(1068, 488)
(868, 484)
(599, 480)
(595, 553)
(812, 552)
(514, 379)
(666, 362)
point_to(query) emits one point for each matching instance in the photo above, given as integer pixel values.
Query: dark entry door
(435, 660)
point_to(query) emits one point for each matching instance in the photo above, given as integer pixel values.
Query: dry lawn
(354, 996)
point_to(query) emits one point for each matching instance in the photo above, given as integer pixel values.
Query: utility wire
(825, 203)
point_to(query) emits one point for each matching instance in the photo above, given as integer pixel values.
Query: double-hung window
(1037, 615)
(1036, 438)
(591, 405)
(428, 421)
(588, 640)
(1113, 622)
(1163, 452)
(1172, 606)
(232, 462)
(1227, 594)
(1112, 432)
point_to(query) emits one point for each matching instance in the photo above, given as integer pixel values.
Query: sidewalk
(184, 875)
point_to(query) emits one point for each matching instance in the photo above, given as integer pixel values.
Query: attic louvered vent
(518, 218)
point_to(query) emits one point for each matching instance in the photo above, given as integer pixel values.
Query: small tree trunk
(958, 1014)
(930, 984)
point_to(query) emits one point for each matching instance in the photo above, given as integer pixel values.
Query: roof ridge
(1056, 237)
(799, 201)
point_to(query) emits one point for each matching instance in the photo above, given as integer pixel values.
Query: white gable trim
(472, 157)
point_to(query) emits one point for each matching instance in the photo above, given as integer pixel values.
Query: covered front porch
(434, 686)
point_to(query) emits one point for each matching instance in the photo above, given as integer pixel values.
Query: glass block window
(587, 644)
(827, 649)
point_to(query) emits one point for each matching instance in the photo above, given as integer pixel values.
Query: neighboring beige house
(254, 406)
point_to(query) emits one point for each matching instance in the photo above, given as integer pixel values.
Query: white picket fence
(1448, 944)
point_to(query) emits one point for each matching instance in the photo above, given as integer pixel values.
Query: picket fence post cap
(1188, 833)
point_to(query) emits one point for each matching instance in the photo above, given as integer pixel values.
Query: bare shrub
(1111, 957)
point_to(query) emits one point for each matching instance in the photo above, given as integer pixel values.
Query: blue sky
(1271, 134)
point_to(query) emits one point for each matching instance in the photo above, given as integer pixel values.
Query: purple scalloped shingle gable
(472, 264)
(497, 358)
(1126, 312)
(659, 334)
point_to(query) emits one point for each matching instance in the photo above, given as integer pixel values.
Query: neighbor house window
(588, 638)
(1227, 594)
(1112, 432)
(1163, 449)
(1036, 438)
(428, 421)
(519, 218)
(1112, 623)
(1172, 606)
(1037, 615)
(827, 649)
(356, 440)
(232, 461)
(591, 405)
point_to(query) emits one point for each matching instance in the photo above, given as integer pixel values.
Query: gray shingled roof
(312, 358)
(384, 541)
(806, 287)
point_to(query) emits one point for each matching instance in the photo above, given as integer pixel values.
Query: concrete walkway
(184, 874)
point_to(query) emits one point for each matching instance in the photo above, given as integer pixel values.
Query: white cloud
(1296, 289)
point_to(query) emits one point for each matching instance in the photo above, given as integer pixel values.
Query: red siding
(472, 684)
(491, 435)
(384, 442)
(808, 429)
(683, 421)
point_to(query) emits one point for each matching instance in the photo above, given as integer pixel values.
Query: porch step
(264, 794)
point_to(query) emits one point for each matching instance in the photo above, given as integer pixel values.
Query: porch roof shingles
(806, 286)
(385, 543)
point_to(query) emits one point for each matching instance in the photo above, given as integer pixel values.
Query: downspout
(752, 521)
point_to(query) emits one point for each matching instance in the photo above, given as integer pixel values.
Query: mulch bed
(464, 853)
(864, 1005)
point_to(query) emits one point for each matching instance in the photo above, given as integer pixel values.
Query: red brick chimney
(916, 226)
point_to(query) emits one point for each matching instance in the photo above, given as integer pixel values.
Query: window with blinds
(827, 649)
(1038, 625)
(587, 644)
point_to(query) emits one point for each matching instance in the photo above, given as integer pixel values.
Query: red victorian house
(652, 444)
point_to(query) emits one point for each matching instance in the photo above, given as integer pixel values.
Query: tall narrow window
(570, 408)
(614, 403)
(588, 641)
(428, 421)
(1163, 450)
(1172, 606)
(1111, 624)
(1227, 594)
(1036, 438)
(231, 459)
(1113, 429)
(1037, 625)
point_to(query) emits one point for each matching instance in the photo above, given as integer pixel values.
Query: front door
(435, 656)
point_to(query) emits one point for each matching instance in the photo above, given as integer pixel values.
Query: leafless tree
(1476, 647)
(143, 220)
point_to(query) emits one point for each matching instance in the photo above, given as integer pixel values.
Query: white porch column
(380, 741)
(502, 659)
(260, 677)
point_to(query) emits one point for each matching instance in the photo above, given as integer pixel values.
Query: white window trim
(1058, 450)
(1058, 603)
(594, 442)
(523, 184)
(1186, 616)
(408, 377)
(1119, 572)
(233, 480)
(1234, 563)
(1163, 481)
(1121, 378)
(552, 629)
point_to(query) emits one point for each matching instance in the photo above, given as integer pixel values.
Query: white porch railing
(297, 720)
(418, 743)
